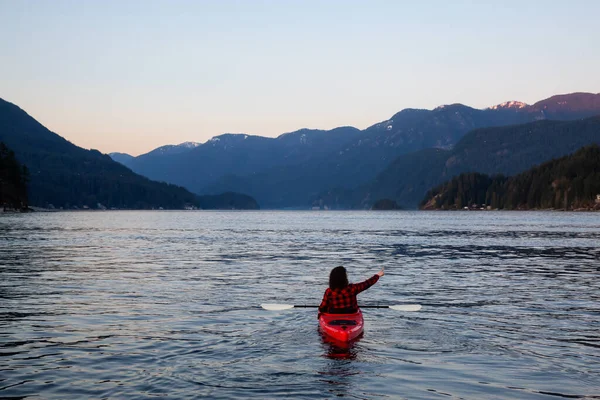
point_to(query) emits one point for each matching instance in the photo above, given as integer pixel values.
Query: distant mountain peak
(452, 107)
(508, 105)
(189, 145)
(573, 101)
(229, 138)
(121, 158)
(301, 131)
(116, 153)
(170, 149)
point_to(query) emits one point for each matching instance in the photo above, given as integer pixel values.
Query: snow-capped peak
(509, 104)
(189, 145)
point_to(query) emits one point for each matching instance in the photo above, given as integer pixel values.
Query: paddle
(397, 307)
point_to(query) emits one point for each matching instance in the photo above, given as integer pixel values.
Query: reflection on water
(337, 350)
(147, 304)
(340, 373)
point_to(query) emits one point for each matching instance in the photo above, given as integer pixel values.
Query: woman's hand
(381, 273)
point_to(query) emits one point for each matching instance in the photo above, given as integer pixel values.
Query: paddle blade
(406, 307)
(277, 307)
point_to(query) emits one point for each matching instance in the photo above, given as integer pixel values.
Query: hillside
(64, 175)
(502, 150)
(570, 182)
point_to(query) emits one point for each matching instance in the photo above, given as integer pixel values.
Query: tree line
(13, 180)
(570, 182)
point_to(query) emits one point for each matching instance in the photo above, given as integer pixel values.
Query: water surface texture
(166, 304)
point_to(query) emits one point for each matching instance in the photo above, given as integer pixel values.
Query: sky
(130, 76)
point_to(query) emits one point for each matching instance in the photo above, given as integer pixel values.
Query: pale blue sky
(133, 75)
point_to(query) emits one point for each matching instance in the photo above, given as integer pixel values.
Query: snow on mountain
(175, 148)
(509, 104)
(189, 145)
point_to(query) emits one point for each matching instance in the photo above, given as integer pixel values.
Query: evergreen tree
(567, 183)
(13, 180)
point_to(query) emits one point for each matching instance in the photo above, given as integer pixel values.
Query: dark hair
(338, 278)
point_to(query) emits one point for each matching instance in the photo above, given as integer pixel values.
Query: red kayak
(342, 327)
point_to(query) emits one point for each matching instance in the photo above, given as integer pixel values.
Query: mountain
(166, 150)
(501, 150)
(570, 182)
(171, 149)
(518, 105)
(568, 106)
(360, 159)
(442, 127)
(239, 155)
(65, 175)
(294, 168)
(121, 158)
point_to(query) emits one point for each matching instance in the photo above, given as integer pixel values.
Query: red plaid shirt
(345, 298)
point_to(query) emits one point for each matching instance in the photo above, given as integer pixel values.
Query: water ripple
(154, 304)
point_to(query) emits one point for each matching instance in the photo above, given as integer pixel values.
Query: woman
(340, 296)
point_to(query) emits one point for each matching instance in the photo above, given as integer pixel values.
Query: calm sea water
(166, 304)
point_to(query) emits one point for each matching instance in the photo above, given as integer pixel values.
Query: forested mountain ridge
(570, 182)
(293, 170)
(567, 106)
(501, 150)
(64, 175)
(313, 162)
(445, 125)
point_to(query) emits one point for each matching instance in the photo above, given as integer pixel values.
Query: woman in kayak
(340, 296)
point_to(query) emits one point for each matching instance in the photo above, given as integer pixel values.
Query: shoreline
(592, 209)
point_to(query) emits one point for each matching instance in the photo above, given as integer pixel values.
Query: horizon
(133, 77)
